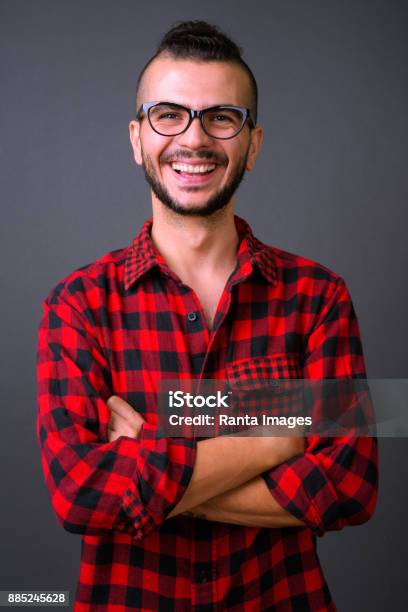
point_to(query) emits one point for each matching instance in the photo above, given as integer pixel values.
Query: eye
(169, 115)
(220, 117)
(166, 113)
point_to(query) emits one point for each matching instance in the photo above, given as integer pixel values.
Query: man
(224, 523)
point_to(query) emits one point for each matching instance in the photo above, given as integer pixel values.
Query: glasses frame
(146, 107)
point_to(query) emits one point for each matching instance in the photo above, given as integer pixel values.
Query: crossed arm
(250, 504)
(130, 478)
(218, 490)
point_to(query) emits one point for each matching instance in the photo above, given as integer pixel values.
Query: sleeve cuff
(164, 467)
(302, 488)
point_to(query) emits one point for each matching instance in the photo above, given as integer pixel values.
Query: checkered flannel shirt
(117, 326)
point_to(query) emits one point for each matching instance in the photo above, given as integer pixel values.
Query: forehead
(194, 83)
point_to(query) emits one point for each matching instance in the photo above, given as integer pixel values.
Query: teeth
(192, 169)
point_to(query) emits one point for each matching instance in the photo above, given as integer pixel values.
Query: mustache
(181, 155)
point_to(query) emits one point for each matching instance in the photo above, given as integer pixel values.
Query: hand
(124, 421)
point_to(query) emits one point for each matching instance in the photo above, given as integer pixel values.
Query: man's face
(195, 85)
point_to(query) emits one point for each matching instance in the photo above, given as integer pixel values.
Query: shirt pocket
(259, 371)
(270, 385)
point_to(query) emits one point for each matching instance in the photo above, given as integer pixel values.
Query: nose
(195, 137)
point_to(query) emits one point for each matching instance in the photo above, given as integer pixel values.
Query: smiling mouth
(192, 169)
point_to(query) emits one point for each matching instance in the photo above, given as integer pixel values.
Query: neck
(196, 246)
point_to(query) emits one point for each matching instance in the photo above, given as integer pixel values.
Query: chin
(192, 211)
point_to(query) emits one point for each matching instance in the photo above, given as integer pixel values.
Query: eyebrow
(203, 107)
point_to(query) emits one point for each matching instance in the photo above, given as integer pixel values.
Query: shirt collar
(142, 255)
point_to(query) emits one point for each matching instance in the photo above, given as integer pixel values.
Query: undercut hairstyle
(199, 40)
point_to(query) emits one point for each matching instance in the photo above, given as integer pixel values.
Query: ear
(254, 147)
(134, 133)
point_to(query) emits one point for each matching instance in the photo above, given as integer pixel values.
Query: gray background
(331, 184)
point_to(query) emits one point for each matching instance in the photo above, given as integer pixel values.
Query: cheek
(152, 146)
(237, 155)
(159, 152)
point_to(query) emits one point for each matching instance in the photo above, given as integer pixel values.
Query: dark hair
(202, 41)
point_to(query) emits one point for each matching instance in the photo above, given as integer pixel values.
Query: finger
(126, 413)
(123, 408)
(123, 431)
(120, 407)
(126, 425)
(121, 424)
(118, 418)
(113, 435)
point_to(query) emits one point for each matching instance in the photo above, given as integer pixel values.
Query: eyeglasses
(168, 119)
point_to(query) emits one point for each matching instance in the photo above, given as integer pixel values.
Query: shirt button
(203, 576)
(192, 316)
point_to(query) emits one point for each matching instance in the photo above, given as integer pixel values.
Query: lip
(194, 179)
(189, 162)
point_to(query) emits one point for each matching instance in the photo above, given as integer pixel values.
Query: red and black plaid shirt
(119, 325)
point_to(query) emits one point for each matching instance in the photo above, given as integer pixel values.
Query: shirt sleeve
(334, 483)
(95, 485)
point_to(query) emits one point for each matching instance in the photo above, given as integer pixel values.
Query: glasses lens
(168, 119)
(223, 122)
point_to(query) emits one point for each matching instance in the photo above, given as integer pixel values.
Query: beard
(218, 201)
